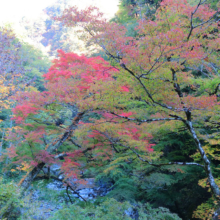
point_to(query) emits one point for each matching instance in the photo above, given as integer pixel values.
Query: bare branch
(68, 132)
(76, 192)
(67, 187)
(60, 155)
(146, 90)
(205, 21)
(176, 85)
(191, 20)
(147, 120)
(163, 164)
(73, 142)
(117, 141)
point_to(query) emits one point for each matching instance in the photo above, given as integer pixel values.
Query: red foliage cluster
(23, 111)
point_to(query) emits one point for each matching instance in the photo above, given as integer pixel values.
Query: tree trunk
(207, 167)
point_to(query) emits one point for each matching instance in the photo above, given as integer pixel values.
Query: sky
(14, 10)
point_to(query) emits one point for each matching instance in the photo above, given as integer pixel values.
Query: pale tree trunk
(214, 187)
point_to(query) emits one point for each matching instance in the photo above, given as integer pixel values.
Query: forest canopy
(141, 113)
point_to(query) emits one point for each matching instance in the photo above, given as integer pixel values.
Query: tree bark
(207, 166)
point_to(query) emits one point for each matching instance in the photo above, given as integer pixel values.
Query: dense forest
(128, 129)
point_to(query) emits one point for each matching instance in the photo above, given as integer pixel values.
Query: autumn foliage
(11, 66)
(167, 76)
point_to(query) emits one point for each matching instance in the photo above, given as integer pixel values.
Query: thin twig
(68, 194)
(148, 120)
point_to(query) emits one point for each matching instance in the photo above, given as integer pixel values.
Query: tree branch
(73, 142)
(116, 141)
(146, 90)
(163, 164)
(67, 134)
(191, 20)
(207, 166)
(67, 187)
(148, 120)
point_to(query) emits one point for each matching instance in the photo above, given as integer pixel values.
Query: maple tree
(166, 77)
(159, 59)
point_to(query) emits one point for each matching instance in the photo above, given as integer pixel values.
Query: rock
(132, 213)
(54, 170)
(87, 189)
(55, 185)
(90, 189)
